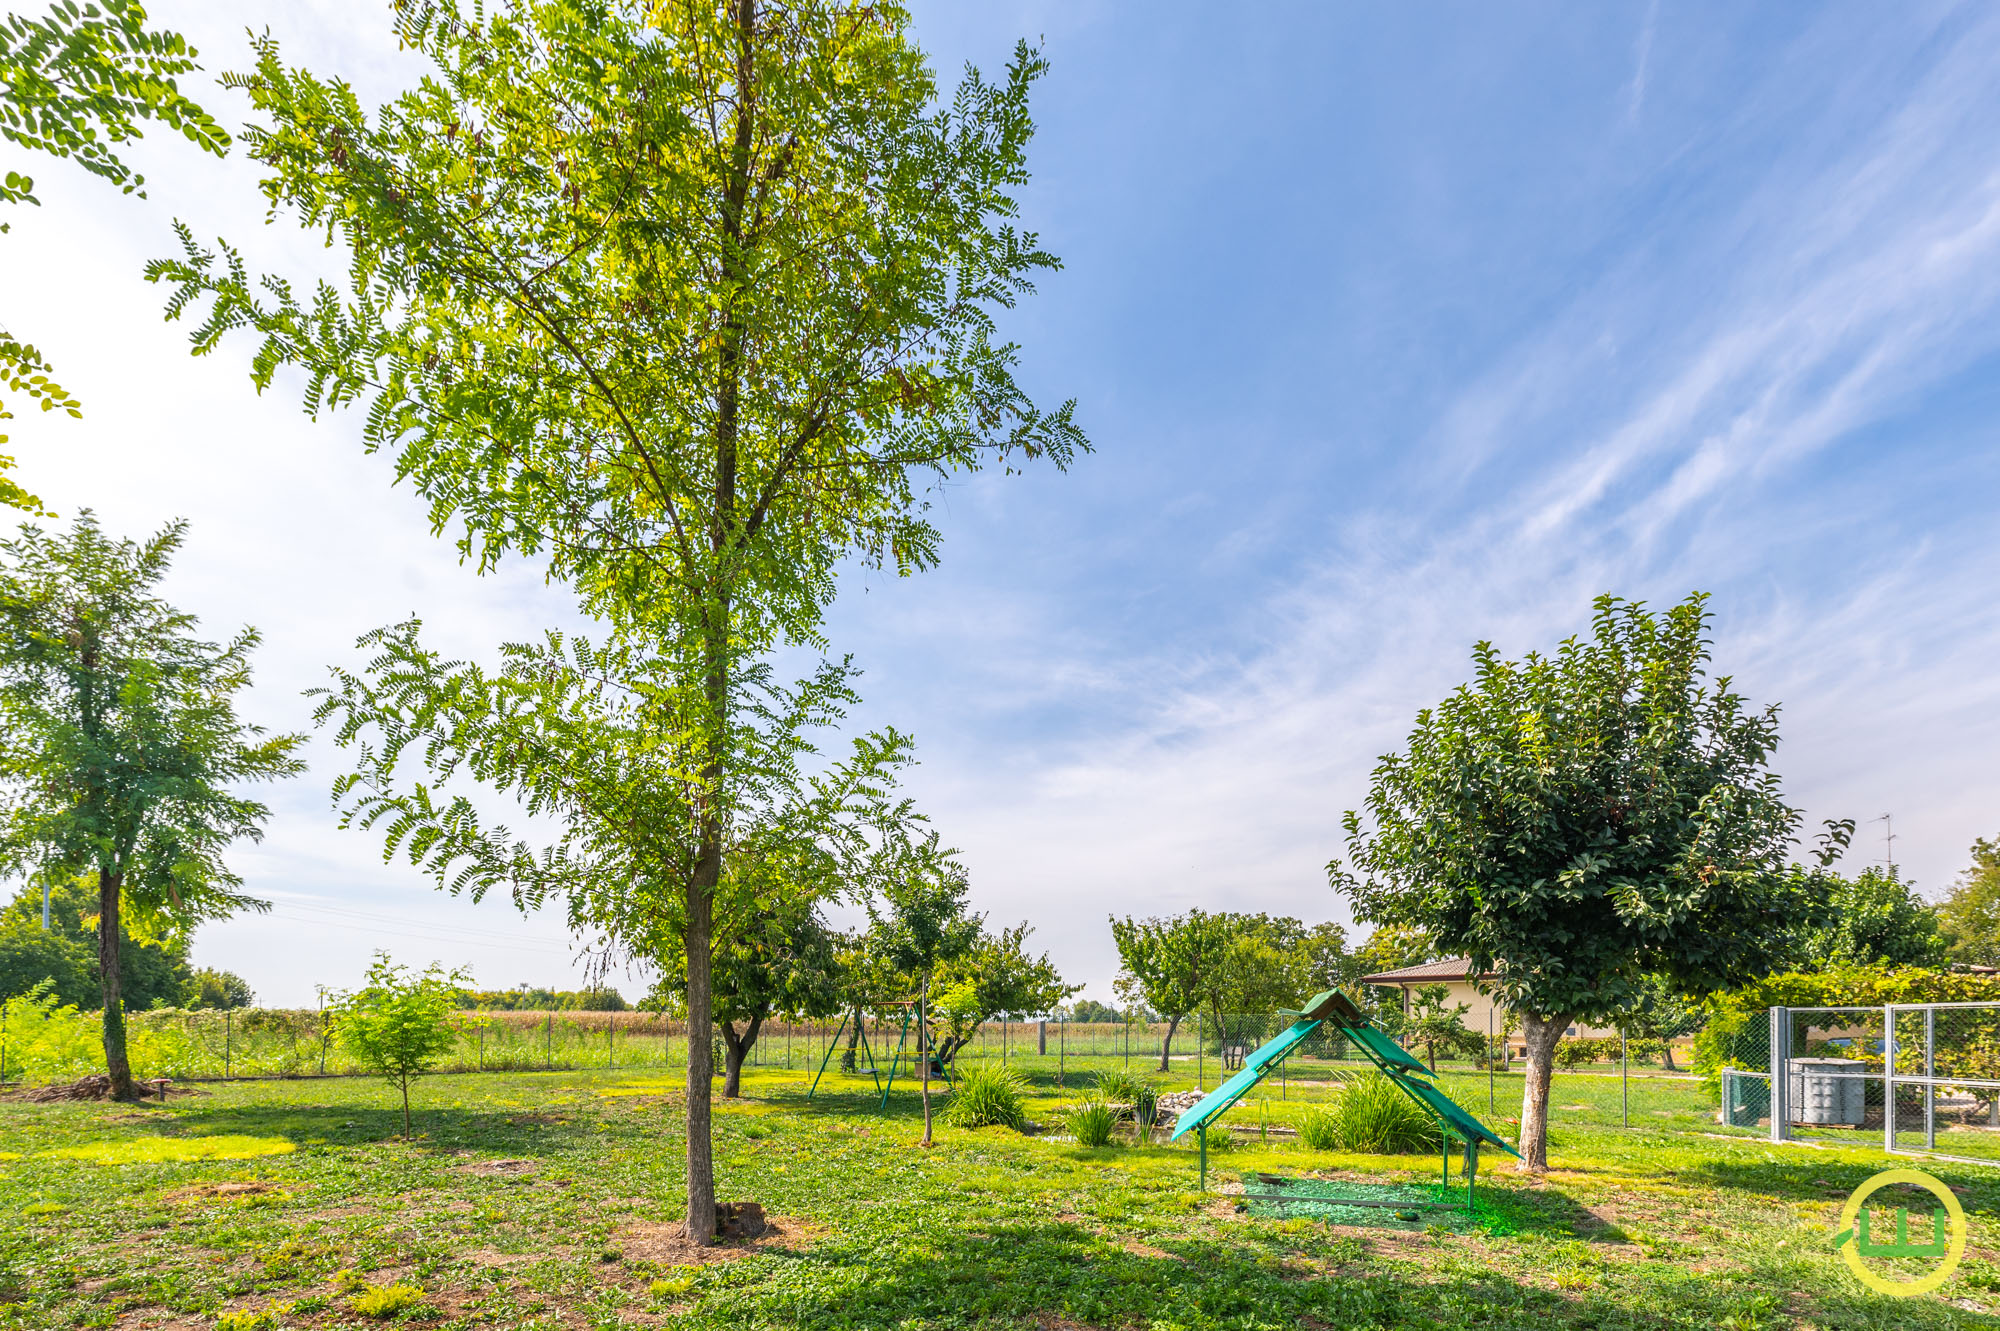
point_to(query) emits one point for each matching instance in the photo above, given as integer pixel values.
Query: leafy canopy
(74, 84)
(1583, 819)
(120, 747)
(682, 298)
(1874, 917)
(1970, 916)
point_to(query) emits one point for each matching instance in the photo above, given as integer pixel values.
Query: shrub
(381, 1301)
(1573, 1052)
(1092, 1122)
(1122, 1088)
(1373, 1114)
(986, 1096)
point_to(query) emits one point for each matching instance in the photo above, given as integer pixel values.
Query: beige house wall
(1484, 1006)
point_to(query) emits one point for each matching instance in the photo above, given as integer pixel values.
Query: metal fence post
(1889, 1077)
(1200, 1058)
(227, 1026)
(1490, 1111)
(1625, 1079)
(1930, 1087)
(1781, 1072)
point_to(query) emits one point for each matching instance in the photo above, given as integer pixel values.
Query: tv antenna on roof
(1888, 838)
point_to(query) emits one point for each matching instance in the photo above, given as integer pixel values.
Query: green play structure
(909, 1008)
(1397, 1063)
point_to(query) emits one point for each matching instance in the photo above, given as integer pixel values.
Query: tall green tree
(1172, 961)
(121, 752)
(1970, 915)
(690, 301)
(75, 83)
(1582, 819)
(1875, 916)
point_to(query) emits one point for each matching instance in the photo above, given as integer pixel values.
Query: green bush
(1122, 1088)
(986, 1096)
(1573, 1052)
(1092, 1122)
(1372, 1114)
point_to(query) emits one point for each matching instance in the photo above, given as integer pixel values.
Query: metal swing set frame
(909, 1006)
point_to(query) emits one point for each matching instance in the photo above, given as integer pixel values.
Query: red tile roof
(1451, 968)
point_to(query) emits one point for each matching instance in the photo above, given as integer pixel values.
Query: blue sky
(1395, 328)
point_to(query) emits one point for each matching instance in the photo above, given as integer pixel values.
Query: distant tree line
(524, 998)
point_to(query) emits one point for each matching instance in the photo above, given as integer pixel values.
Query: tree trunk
(924, 1048)
(406, 1106)
(716, 644)
(109, 886)
(735, 1049)
(1167, 1045)
(1540, 1035)
(1667, 1056)
(853, 1041)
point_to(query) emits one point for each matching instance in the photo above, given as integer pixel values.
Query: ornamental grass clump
(987, 1097)
(1123, 1089)
(1093, 1122)
(1370, 1114)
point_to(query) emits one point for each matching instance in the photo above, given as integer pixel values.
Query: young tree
(1659, 1014)
(993, 977)
(1172, 961)
(400, 1023)
(688, 300)
(75, 83)
(120, 748)
(921, 920)
(1435, 1022)
(1259, 973)
(1970, 916)
(1583, 819)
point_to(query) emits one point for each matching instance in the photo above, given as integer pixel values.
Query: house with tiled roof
(1487, 1011)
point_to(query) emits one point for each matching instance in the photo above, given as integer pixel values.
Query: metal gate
(1942, 1081)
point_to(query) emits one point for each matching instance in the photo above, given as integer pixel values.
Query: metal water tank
(1830, 1092)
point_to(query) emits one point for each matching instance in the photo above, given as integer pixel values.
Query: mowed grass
(548, 1200)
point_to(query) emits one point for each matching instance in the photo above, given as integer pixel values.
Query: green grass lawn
(549, 1200)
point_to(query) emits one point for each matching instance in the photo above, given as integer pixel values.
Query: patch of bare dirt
(499, 1168)
(97, 1086)
(664, 1242)
(232, 1188)
(1138, 1249)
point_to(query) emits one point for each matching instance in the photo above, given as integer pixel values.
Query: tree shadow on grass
(440, 1128)
(1057, 1273)
(1829, 1180)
